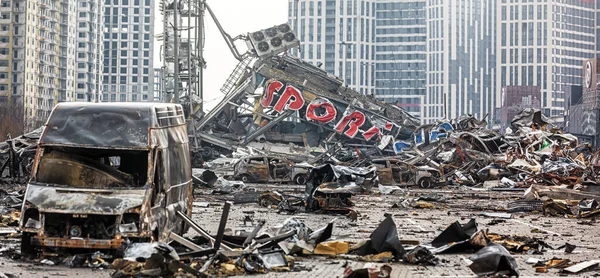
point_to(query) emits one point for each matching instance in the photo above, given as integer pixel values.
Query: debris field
(413, 224)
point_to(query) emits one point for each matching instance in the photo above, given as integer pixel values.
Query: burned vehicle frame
(107, 174)
(270, 169)
(396, 172)
(331, 187)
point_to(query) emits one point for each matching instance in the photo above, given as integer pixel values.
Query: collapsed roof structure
(301, 104)
(275, 98)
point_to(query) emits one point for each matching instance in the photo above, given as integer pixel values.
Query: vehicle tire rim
(301, 180)
(425, 184)
(245, 179)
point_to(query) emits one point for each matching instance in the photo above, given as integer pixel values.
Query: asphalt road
(421, 225)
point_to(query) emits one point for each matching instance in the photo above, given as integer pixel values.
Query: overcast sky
(237, 17)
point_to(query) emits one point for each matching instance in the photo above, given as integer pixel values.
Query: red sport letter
(372, 132)
(290, 99)
(354, 121)
(329, 115)
(389, 126)
(272, 87)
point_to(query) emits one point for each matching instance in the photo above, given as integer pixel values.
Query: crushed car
(105, 174)
(330, 187)
(262, 169)
(396, 172)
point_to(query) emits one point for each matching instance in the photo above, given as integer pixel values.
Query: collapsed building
(302, 104)
(16, 155)
(284, 100)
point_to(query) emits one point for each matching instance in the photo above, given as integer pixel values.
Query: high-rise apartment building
(434, 58)
(461, 59)
(37, 58)
(597, 28)
(340, 36)
(90, 41)
(544, 43)
(128, 50)
(400, 53)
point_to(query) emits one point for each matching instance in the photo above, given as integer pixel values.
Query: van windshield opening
(87, 167)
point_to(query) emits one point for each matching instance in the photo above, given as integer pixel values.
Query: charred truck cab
(105, 174)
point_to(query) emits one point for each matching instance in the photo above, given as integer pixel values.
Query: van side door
(159, 203)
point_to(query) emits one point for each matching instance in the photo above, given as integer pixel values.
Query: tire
(207, 153)
(264, 202)
(300, 179)
(425, 183)
(245, 178)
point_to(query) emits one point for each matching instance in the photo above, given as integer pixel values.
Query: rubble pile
(556, 174)
(463, 152)
(16, 157)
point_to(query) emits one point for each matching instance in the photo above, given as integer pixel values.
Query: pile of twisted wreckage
(288, 121)
(531, 156)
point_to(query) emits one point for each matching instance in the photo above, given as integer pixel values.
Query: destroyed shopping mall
(294, 174)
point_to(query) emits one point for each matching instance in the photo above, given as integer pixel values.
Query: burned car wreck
(396, 172)
(330, 187)
(270, 169)
(105, 174)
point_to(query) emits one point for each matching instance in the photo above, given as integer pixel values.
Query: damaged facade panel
(107, 172)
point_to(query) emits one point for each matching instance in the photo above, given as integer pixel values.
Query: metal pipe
(163, 93)
(267, 127)
(200, 52)
(191, 80)
(183, 241)
(254, 232)
(222, 225)
(189, 56)
(198, 229)
(228, 38)
(217, 109)
(176, 52)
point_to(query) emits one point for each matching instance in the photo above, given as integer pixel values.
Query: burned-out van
(105, 174)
